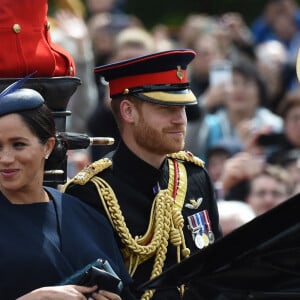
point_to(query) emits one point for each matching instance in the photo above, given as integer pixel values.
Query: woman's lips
(8, 173)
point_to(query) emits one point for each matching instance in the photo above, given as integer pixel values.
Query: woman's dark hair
(247, 69)
(41, 123)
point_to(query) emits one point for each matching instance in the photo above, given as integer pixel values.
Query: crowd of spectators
(247, 129)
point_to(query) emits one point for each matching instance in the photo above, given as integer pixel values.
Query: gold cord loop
(165, 222)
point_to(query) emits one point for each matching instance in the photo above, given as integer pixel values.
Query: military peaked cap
(159, 77)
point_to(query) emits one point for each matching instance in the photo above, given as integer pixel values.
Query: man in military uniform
(158, 198)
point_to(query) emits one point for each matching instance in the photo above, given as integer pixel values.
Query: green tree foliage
(173, 12)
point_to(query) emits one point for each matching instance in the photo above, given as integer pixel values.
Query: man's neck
(153, 159)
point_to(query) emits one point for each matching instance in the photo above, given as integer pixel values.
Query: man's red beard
(159, 142)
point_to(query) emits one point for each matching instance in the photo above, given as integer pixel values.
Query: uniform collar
(135, 168)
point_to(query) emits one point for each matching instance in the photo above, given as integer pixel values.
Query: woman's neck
(27, 197)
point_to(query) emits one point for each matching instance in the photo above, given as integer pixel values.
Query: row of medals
(201, 231)
(203, 239)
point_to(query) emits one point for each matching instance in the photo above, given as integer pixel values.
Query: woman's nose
(6, 154)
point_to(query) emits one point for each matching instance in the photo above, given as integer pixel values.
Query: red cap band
(117, 86)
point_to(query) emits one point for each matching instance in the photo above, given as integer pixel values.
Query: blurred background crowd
(246, 126)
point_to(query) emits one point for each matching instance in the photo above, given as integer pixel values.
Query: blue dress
(43, 243)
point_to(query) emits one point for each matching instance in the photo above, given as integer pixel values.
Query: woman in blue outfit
(46, 235)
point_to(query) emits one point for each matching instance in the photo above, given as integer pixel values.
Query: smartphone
(270, 139)
(220, 72)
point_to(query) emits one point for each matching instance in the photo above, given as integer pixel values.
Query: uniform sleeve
(213, 208)
(199, 183)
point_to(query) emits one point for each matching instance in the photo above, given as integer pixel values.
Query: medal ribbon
(209, 230)
(207, 220)
(195, 221)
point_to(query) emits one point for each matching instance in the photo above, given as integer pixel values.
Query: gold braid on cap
(165, 223)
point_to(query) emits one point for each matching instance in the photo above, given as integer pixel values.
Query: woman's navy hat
(159, 77)
(14, 99)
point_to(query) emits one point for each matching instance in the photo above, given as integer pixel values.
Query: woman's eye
(19, 145)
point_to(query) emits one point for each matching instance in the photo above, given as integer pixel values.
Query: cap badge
(179, 73)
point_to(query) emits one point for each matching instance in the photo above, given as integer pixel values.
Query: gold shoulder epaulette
(88, 172)
(187, 156)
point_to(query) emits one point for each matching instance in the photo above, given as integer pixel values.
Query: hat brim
(179, 97)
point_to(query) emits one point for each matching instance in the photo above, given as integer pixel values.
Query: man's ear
(128, 111)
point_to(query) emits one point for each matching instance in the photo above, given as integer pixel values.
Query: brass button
(47, 26)
(16, 28)
(71, 71)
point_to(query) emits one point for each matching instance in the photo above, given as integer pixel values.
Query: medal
(197, 227)
(205, 239)
(203, 227)
(211, 237)
(199, 242)
(210, 234)
(194, 228)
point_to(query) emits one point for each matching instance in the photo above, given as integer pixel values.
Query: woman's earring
(46, 156)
